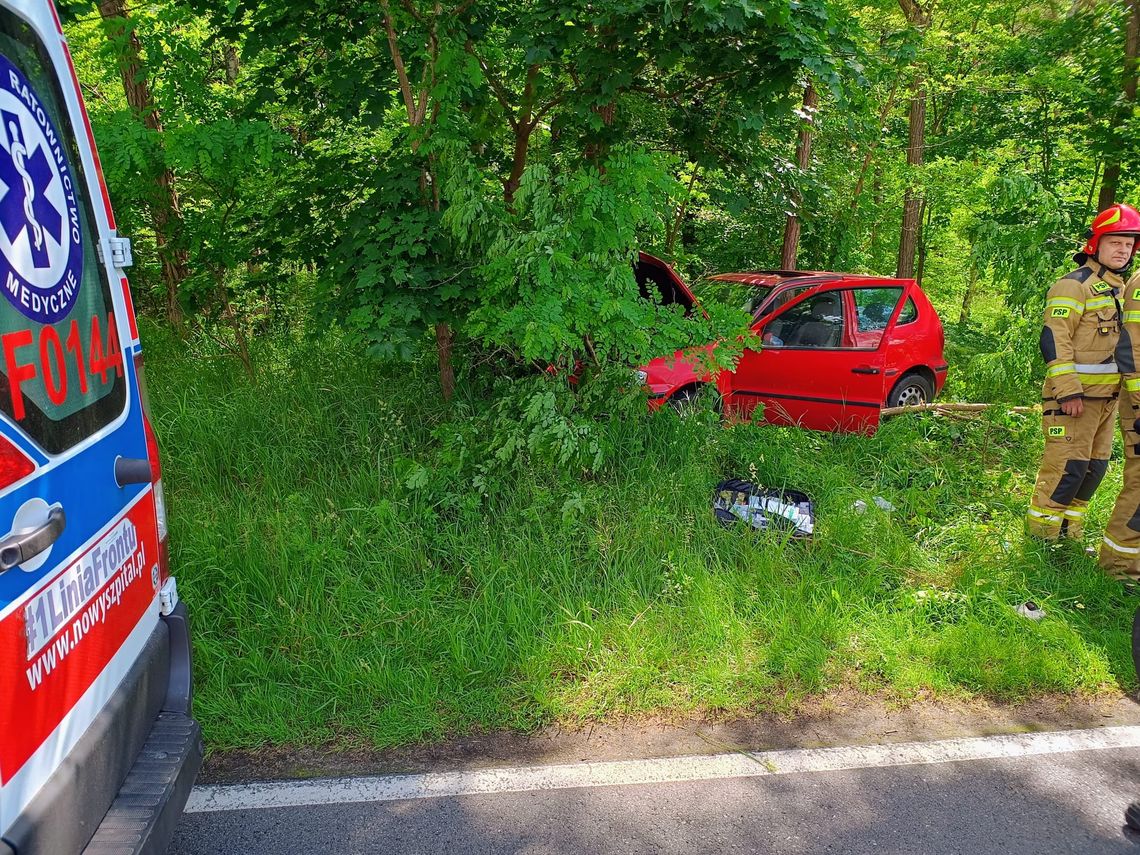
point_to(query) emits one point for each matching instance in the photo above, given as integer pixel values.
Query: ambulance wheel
(910, 391)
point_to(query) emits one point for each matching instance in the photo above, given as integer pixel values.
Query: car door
(78, 528)
(822, 358)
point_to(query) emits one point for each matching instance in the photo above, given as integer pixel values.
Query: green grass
(332, 604)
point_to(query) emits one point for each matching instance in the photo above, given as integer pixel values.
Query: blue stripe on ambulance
(95, 465)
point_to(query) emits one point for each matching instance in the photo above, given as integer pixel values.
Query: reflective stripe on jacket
(1128, 350)
(1081, 332)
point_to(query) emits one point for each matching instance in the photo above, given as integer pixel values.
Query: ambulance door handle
(18, 548)
(864, 369)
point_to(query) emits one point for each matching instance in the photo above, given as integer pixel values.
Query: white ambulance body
(98, 748)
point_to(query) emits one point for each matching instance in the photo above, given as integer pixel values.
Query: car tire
(912, 390)
(687, 401)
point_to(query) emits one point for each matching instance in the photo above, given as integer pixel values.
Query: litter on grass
(764, 507)
(860, 507)
(1031, 610)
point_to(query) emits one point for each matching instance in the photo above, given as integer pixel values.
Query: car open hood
(653, 273)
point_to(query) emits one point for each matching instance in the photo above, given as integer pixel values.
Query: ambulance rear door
(78, 534)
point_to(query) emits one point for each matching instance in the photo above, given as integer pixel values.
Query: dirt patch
(836, 719)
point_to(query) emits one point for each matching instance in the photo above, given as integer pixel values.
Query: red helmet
(1119, 219)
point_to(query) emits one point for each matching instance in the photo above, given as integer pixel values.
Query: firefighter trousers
(1120, 549)
(1076, 456)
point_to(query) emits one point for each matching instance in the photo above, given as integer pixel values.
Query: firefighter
(1120, 549)
(1082, 382)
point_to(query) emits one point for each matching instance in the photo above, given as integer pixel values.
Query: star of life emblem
(41, 246)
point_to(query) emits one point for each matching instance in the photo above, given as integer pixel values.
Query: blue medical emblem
(41, 247)
(28, 175)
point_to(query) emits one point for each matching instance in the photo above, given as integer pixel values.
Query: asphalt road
(1053, 803)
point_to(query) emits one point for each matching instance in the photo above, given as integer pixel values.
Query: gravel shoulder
(841, 719)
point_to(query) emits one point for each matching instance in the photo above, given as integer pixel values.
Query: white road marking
(329, 791)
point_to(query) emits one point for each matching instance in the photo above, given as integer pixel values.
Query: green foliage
(541, 548)
(342, 595)
(535, 424)
(392, 272)
(555, 283)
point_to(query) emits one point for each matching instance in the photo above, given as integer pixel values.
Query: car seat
(825, 326)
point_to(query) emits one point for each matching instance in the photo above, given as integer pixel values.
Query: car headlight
(642, 376)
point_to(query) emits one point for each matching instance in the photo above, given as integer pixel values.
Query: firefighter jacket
(1128, 350)
(1082, 328)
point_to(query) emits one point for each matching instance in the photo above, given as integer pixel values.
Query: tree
(803, 160)
(919, 19)
(1111, 179)
(165, 207)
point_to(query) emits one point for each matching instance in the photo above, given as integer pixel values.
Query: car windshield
(736, 294)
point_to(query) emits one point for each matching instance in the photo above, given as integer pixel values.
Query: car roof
(771, 278)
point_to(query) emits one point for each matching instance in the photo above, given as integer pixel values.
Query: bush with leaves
(554, 278)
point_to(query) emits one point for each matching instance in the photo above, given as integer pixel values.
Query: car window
(782, 298)
(819, 321)
(735, 294)
(909, 313)
(759, 293)
(816, 322)
(59, 349)
(873, 310)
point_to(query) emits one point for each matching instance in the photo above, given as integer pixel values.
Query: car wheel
(911, 391)
(687, 401)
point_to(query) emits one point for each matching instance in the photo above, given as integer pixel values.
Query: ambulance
(98, 746)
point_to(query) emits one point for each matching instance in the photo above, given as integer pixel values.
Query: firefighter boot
(1120, 550)
(1075, 460)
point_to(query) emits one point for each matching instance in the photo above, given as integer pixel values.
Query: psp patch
(1059, 313)
(41, 245)
(1056, 431)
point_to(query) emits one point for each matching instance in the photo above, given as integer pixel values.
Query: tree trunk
(923, 231)
(883, 114)
(919, 19)
(679, 218)
(421, 113)
(598, 145)
(165, 209)
(241, 341)
(1111, 180)
(803, 160)
(877, 201)
(443, 342)
(233, 63)
(912, 200)
(968, 297)
(523, 127)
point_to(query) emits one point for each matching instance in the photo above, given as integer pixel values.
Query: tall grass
(330, 602)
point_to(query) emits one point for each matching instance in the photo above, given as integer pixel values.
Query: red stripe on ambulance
(130, 304)
(88, 627)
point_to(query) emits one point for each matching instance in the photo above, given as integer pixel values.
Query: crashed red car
(837, 348)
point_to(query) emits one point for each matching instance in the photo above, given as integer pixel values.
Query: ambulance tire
(911, 390)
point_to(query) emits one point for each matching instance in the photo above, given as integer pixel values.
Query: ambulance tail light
(155, 471)
(14, 464)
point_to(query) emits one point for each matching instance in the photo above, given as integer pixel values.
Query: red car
(837, 347)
